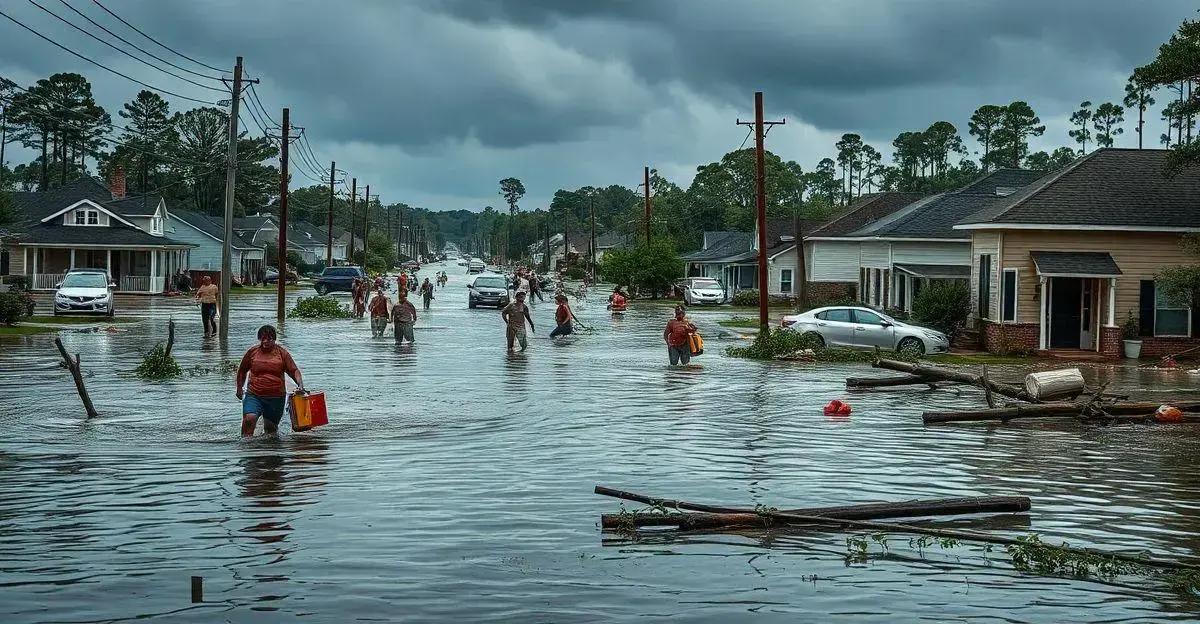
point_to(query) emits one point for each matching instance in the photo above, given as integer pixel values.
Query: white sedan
(843, 326)
(702, 290)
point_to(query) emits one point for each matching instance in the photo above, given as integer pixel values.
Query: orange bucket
(308, 411)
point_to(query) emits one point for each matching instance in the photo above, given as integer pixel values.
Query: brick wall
(1010, 337)
(819, 292)
(1110, 342)
(1159, 347)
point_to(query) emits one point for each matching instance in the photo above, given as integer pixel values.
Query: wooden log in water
(867, 511)
(886, 382)
(935, 373)
(1138, 409)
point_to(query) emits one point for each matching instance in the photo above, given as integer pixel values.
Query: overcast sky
(432, 102)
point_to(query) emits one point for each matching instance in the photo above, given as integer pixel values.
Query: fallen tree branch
(885, 382)
(72, 365)
(934, 373)
(1052, 410)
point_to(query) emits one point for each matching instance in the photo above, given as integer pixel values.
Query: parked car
(857, 327)
(698, 290)
(338, 279)
(490, 289)
(271, 275)
(476, 266)
(85, 291)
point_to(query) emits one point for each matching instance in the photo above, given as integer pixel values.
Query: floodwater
(454, 483)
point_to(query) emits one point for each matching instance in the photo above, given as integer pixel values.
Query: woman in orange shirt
(265, 363)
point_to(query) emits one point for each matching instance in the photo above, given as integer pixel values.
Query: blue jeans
(270, 408)
(562, 330)
(681, 354)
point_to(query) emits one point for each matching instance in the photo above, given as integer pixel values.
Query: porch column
(153, 268)
(108, 263)
(1043, 338)
(35, 264)
(72, 257)
(1112, 302)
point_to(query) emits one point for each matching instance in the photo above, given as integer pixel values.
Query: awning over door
(936, 271)
(1075, 264)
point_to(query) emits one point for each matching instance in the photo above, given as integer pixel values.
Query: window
(80, 217)
(1171, 318)
(876, 277)
(985, 285)
(93, 217)
(87, 217)
(1008, 296)
(841, 315)
(785, 280)
(867, 318)
(901, 292)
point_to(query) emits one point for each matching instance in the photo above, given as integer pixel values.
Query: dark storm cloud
(429, 93)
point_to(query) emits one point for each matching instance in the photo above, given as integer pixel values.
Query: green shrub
(943, 305)
(158, 365)
(574, 272)
(14, 305)
(745, 298)
(319, 308)
(776, 344)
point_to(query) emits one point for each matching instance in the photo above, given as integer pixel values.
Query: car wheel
(911, 346)
(817, 339)
(322, 289)
(471, 303)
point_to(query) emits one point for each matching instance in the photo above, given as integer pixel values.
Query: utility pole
(281, 278)
(353, 196)
(329, 225)
(760, 183)
(230, 180)
(366, 216)
(592, 250)
(646, 174)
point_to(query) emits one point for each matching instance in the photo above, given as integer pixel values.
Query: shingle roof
(116, 234)
(1097, 263)
(935, 216)
(211, 226)
(731, 244)
(1109, 187)
(936, 271)
(250, 223)
(142, 205)
(37, 205)
(864, 211)
(611, 239)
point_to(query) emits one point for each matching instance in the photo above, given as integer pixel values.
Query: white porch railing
(134, 283)
(47, 281)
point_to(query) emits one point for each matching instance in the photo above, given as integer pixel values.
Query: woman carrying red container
(265, 363)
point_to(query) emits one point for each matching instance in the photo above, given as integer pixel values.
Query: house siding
(931, 253)
(1140, 256)
(988, 243)
(874, 256)
(834, 261)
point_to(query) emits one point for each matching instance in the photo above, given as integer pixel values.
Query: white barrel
(1065, 383)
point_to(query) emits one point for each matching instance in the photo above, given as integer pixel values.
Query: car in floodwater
(864, 328)
(489, 290)
(476, 266)
(338, 279)
(85, 291)
(697, 290)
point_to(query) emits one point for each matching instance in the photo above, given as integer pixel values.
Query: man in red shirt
(676, 334)
(380, 309)
(562, 317)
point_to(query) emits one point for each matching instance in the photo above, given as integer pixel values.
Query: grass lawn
(267, 289)
(966, 359)
(77, 319)
(739, 321)
(24, 330)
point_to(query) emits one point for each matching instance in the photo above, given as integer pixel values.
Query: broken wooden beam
(866, 511)
(886, 382)
(934, 373)
(1053, 410)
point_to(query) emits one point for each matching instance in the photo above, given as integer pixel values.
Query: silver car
(865, 328)
(85, 291)
(698, 290)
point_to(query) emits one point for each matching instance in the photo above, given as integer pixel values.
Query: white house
(832, 257)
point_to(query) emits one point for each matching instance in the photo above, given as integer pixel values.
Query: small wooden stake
(197, 589)
(77, 375)
(170, 336)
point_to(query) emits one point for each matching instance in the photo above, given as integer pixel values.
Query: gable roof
(936, 216)
(864, 211)
(1111, 187)
(115, 235)
(212, 227)
(253, 223)
(611, 239)
(730, 245)
(37, 205)
(140, 206)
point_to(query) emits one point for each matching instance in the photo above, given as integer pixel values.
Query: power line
(163, 45)
(101, 65)
(137, 47)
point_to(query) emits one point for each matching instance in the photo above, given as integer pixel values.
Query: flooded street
(454, 482)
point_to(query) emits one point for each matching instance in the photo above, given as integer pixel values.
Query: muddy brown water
(455, 483)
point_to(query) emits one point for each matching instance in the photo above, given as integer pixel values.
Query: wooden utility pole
(230, 180)
(281, 278)
(353, 197)
(329, 216)
(760, 184)
(646, 175)
(592, 250)
(366, 217)
(799, 281)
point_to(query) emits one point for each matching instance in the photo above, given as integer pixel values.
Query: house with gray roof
(900, 253)
(1062, 263)
(207, 233)
(85, 224)
(831, 255)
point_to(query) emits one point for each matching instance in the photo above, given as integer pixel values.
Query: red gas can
(308, 411)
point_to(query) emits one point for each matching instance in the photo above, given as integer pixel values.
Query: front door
(1087, 307)
(1066, 318)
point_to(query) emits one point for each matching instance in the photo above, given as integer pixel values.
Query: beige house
(1063, 263)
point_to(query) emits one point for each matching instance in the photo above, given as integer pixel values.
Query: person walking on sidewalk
(676, 335)
(515, 314)
(404, 316)
(380, 308)
(209, 295)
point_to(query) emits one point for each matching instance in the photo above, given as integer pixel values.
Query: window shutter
(1146, 309)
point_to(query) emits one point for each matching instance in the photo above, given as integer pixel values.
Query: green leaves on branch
(157, 365)
(319, 308)
(943, 305)
(647, 268)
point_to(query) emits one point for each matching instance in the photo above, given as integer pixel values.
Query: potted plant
(1133, 341)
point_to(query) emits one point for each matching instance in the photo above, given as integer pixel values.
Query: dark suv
(339, 278)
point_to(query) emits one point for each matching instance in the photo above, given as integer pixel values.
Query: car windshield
(706, 284)
(85, 280)
(490, 282)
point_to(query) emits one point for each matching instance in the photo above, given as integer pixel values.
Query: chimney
(117, 183)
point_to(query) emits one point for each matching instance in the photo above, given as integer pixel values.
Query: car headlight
(60, 296)
(935, 335)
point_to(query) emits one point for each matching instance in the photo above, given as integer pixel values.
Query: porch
(1077, 297)
(143, 271)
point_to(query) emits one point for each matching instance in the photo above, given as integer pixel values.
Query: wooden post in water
(77, 375)
(170, 336)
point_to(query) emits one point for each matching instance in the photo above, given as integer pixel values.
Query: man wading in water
(266, 364)
(426, 293)
(380, 308)
(676, 334)
(515, 314)
(404, 316)
(209, 295)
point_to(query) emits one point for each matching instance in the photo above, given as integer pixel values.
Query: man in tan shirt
(208, 295)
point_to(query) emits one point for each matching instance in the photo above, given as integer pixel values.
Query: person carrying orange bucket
(264, 366)
(617, 301)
